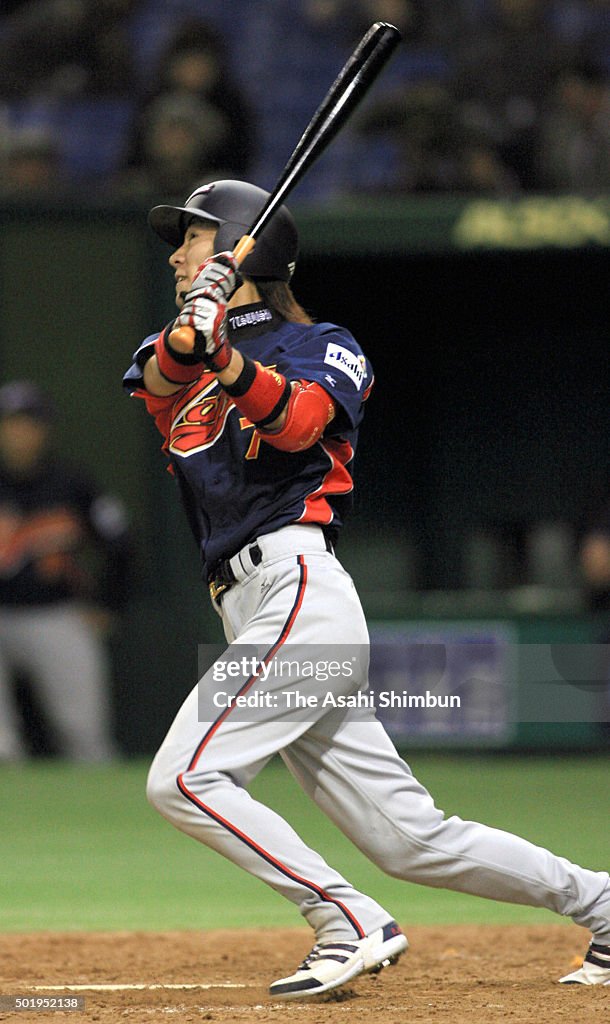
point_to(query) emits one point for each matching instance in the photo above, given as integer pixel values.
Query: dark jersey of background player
(50, 512)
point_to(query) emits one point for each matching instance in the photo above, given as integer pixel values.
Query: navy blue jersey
(233, 484)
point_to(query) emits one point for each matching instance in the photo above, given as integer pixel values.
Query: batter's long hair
(278, 295)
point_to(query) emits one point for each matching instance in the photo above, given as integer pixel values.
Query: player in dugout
(65, 556)
(260, 420)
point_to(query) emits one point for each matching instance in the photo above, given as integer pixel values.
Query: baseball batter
(260, 422)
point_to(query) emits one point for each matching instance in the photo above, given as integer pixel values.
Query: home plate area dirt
(450, 975)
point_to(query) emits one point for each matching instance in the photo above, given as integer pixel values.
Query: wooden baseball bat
(347, 91)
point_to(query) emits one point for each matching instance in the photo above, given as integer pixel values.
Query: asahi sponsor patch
(347, 362)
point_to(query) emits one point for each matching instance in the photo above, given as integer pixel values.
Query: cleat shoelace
(323, 952)
(309, 959)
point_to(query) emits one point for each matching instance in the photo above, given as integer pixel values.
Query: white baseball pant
(299, 594)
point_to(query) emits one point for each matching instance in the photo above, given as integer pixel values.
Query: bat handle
(244, 247)
(182, 339)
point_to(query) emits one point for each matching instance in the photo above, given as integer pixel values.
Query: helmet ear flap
(228, 235)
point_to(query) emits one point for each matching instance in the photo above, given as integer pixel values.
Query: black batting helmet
(233, 206)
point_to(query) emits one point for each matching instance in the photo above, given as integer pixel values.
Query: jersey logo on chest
(199, 419)
(200, 416)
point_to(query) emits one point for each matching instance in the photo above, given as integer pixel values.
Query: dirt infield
(451, 975)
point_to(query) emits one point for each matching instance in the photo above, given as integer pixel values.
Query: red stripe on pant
(286, 628)
(215, 816)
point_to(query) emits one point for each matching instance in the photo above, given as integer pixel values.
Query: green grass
(81, 849)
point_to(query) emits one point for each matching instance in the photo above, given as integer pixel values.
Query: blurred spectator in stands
(65, 48)
(193, 81)
(435, 23)
(421, 51)
(583, 27)
(178, 146)
(575, 137)
(31, 166)
(503, 71)
(420, 123)
(352, 18)
(431, 149)
(53, 609)
(325, 15)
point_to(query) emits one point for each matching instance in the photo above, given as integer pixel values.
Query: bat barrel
(379, 41)
(353, 81)
(348, 89)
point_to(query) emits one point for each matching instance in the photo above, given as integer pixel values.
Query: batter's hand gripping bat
(346, 92)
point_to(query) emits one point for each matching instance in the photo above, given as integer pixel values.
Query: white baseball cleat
(330, 965)
(595, 968)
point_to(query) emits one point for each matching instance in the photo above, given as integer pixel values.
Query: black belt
(221, 577)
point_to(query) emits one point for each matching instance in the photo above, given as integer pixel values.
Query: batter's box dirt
(450, 975)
